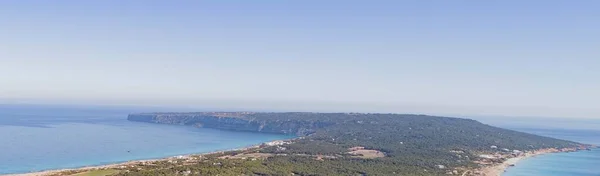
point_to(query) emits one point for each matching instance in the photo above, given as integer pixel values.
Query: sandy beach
(494, 170)
(108, 166)
(83, 169)
(129, 163)
(499, 169)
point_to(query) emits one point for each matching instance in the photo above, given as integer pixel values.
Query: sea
(582, 163)
(42, 137)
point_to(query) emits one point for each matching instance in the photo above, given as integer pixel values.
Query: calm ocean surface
(584, 163)
(34, 138)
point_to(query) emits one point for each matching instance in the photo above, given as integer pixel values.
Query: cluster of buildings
(276, 143)
(505, 150)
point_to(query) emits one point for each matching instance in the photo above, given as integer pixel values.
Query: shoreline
(126, 164)
(493, 170)
(500, 169)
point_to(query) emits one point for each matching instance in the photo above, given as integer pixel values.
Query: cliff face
(231, 122)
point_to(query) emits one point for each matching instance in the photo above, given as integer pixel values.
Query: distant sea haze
(43, 138)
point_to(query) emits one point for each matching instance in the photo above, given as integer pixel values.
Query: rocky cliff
(231, 121)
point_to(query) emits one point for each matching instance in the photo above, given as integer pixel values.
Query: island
(345, 144)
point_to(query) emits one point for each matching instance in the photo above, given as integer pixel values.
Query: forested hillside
(407, 144)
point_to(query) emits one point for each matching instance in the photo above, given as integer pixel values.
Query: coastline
(499, 169)
(492, 170)
(129, 164)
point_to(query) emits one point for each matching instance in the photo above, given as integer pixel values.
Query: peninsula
(347, 144)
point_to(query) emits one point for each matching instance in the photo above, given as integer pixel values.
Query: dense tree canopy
(413, 145)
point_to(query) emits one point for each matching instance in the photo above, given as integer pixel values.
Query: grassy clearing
(98, 173)
(247, 155)
(367, 154)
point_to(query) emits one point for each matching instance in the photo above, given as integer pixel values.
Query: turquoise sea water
(34, 138)
(582, 163)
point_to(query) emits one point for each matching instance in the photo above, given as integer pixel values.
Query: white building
(487, 156)
(275, 143)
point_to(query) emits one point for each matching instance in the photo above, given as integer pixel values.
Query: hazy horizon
(504, 120)
(514, 58)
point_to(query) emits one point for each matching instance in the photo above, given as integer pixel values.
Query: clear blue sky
(510, 57)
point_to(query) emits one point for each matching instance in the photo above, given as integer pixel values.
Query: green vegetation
(413, 144)
(98, 173)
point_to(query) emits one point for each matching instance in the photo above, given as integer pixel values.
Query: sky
(511, 57)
